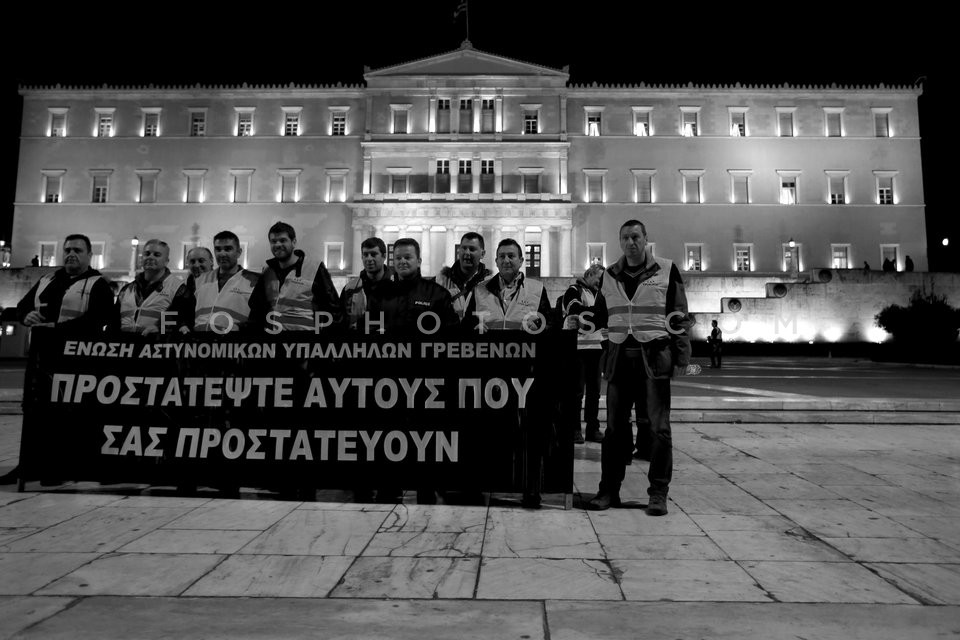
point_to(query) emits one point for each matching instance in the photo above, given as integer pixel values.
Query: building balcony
(462, 197)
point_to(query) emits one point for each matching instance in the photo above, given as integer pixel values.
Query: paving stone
(550, 579)
(725, 522)
(840, 518)
(723, 499)
(46, 509)
(686, 581)
(248, 576)
(928, 583)
(425, 544)
(429, 578)
(672, 547)
(516, 533)
(895, 549)
(792, 544)
(131, 574)
(24, 573)
(17, 613)
(190, 541)
(824, 582)
(637, 522)
(318, 533)
(235, 514)
(437, 518)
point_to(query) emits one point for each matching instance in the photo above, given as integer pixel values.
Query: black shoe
(530, 501)
(578, 437)
(657, 506)
(11, 477)
(594, 436)
(603, 501)
(641, 455)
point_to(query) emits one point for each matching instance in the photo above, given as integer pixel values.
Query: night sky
(606, 42)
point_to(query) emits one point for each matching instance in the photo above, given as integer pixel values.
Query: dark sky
(614, 42)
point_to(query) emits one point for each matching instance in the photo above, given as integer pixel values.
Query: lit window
(194, 184)
(337, 185)
(338, 126)
(48, 254)
(244, 121)
(791, 257)
(104, 123)
(890, 253)
(738, 122)
(464, 176)
(151, 122)
(644, 185)
(692, 187)
(242, 178)
(101, 181)
(593, 120)
(837, 184)
(596, 253)
(531, 122)
(690, 121)
(96, 254)
(694, 257)
(400, 118)
(788, 186)
(834, 121)
(531, 179)
(743, 257)
(399, 179)
(289, 185)
(466, 115)
(148, 185)
(291, 121)
(885, 190)
(881, 121)
(443, 177)
(58, 122)
(641, 121)
(333, 255)
(198, 123)
(52, 186)
(740, 191)
(594, 184)
(443, 115)
(486, 115)
(840, 256)
(785, 123)
(486, 176)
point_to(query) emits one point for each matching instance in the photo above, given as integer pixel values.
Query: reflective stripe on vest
(233, 300)
(136, 319)
(293, 301)
(76, 299)
(645, 315)
(460, 302)
(527, 301)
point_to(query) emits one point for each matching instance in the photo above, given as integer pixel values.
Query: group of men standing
(637, 306)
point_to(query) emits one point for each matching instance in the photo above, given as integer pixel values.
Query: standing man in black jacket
(466, 273)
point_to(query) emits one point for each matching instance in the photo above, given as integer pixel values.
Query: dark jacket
(659, 356)
(99, 310)
(573, 298)
(402, 302)
(363, 287)
(325, 296)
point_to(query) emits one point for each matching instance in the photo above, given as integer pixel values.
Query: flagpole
(467, 11)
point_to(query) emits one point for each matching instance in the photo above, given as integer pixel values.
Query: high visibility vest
(460, 302)
(136, 319)
(645, 315)
(214, 303)
(591, 340)
(527, 301)
(293, 300)
(76, 299)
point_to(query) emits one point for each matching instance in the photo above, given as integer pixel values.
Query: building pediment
(465, 61)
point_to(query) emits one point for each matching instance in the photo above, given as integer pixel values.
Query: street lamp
(134, 251)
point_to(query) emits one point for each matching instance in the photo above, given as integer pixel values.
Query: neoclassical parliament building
(730, 180)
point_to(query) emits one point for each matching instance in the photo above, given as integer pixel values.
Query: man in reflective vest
(580, 298)
(294, 293)
(155, 298)
(74, 298)
(199, 261)
(511, 301)
(356, 294)
(643, 305)
(466, 273)
(223, 295)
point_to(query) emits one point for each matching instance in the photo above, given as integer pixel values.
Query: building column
(476, 113)
(367, 174)
(475, 173)
(566, 256)
(451, 239)
(521, 236)
(498, 175)
(432, 116)
(545, 239)
(497, 237)
(498, 113)
(432, 174)
(454, 174)
(357, 265)
(562, 174)
(426, 267)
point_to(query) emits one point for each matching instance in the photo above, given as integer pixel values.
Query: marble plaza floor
(801, 530)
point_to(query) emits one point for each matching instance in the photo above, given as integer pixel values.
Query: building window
(289, 185)
(834, 121)
(785, 124)
(399, 179)
(531, 179)
(151, 123)
(890, 252)
(487, 111)
(692, 187)
(840, 256)
(198, 123)
(690, 121)
(739, 186)
(48, 254)
(643, 179)
(791, 257)
(594, 184)
(743, 257)
(788, 187)
(58, 122)
(593, 121)
(443, 115)
(194, 184)
(242, 179)
(148, 185)
(104, 123)
(466, 115)
(881, 121)
(338, 123)
(442, 182)
(337, 185)
(400, 121)
(101, 184)
(596, 253)
(96, 256)
(291, 121)
(244, 122)
(738, 121)
(333, 255)
(486, 176)
(885, 186)
(464, 176)
(531, 118)
(641, 121)
(52, 186)
(694, 253)
(837, 186)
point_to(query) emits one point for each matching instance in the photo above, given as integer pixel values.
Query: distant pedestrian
(35, 262)
(866, 266)
(908, 264)
(716, 346)
(889, 265)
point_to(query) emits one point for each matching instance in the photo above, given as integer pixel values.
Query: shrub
(926, 320)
